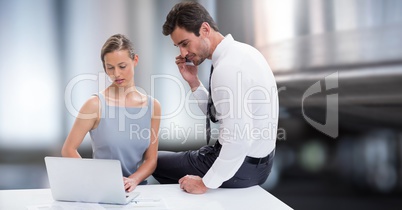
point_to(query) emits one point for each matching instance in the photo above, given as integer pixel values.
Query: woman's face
(120, 68)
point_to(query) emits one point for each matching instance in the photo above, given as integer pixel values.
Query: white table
(171, 196)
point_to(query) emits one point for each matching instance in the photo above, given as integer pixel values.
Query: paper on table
(140, 203)
(135, 204)
(67, 206)
(148, 203)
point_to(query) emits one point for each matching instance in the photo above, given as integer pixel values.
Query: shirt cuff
(200, 93)
(212, 180)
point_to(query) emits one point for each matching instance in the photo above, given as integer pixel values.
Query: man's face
(195, 48)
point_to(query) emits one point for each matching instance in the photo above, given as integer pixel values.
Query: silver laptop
(87, 180)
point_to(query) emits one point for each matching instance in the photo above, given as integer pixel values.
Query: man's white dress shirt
(245, 96)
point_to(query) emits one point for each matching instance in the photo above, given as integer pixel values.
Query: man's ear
(205, 29)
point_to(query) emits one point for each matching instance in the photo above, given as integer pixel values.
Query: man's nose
(183, 52)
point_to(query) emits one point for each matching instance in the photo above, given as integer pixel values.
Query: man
(243, 89)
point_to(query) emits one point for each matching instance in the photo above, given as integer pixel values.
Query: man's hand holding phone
(189, 62)
(188, 71)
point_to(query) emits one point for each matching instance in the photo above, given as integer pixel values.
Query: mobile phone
(189, 63)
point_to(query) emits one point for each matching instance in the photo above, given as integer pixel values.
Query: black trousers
(174, 165)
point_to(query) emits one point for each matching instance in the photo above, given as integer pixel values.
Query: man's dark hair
(188, 15)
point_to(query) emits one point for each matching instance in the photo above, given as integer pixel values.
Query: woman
(123, 123)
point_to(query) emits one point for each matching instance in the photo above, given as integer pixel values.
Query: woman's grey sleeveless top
(123, 134)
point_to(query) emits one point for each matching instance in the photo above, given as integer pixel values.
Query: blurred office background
(349, 50)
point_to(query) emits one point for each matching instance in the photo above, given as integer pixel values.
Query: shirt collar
(221, 48)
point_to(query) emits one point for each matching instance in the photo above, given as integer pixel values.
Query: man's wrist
(195, 85)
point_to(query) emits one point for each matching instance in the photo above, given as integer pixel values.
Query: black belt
(257, 161)
(248, 159)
